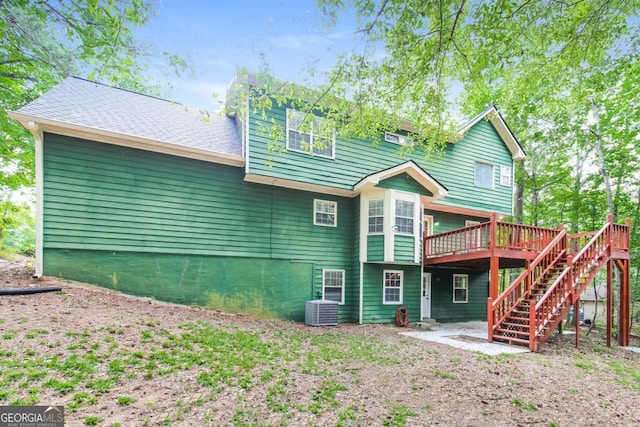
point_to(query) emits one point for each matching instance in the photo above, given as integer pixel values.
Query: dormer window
(397, 139)
(309, 134)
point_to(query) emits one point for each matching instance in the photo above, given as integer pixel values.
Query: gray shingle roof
(86, 103)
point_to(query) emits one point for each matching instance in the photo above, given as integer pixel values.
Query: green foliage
(398, 416)
(41, 44)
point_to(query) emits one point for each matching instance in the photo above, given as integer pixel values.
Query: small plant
(125, 400)
(523, 405)
(445, 375)
(92, 420)
(398, 417)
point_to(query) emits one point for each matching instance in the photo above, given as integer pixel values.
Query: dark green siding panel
(442, 307)
(263, 287)
(100, 196)
(374, 311)
(375, 248)
(103, 198)
(444, 221)
(404, 182)
(403, 247)
(358, 158)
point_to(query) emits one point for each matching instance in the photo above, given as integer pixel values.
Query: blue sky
(216, 37)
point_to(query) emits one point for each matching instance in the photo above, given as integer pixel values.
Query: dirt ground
(428, 384)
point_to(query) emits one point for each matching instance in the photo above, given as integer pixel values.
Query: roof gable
(404, 182)
(492, 115)
(409, 169)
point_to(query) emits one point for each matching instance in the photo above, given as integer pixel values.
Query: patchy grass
(113, 361)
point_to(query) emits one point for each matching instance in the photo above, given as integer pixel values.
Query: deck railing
(486, 236)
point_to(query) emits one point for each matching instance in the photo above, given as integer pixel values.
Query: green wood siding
(357, 158)
(404, 182)
(247, 285)
(375, 248)
(110, 199)
(442, 307)
(374, 310)
(404, 248)
(444, 221)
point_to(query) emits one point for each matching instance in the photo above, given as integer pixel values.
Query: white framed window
(333, 285)
(404, 217)
(483, 175)
(460, 288)
(392, 287)
(397, 139)
(505, 176)
(325, 212)
(309, 134)
(376, 216)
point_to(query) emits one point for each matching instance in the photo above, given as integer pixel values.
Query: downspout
(361, 302)
(38, 138)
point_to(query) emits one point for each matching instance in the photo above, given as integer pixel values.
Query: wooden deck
(512, 245)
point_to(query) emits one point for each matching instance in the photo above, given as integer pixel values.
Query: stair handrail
(517, 283)
(568, 278)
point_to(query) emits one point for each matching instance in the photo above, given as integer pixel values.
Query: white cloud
(200, 93)
(296, 41)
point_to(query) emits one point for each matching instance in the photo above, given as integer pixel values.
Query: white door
(426, 295)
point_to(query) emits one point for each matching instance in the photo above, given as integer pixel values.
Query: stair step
(511, 340)
(514, 324)
(511, 331)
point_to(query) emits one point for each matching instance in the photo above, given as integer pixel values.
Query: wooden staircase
(530, 309)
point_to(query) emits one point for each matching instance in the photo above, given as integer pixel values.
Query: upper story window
(404, 217)
(309, 134)
(333, 285)
(483, 175)
(376, 216)
(397, 139)
(325, 213)
(505, 176)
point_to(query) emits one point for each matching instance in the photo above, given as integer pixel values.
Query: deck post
(494, 262)
(576, 314)
(490, 317)
(625, 302)
(609, 301)
(533, 342)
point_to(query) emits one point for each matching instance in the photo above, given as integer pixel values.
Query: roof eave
(30, 122)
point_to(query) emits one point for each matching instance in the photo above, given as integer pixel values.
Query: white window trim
(401, 139)
(453, 297)
(342, 286)
(395, 217)
(335, 213)
(376, 233)
(384, 286)
(311, 138)
(493, 174)
(507, 175)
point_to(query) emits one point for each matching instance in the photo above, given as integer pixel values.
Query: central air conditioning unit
(321, 313)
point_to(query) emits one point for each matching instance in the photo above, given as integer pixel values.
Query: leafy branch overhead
(42, 42)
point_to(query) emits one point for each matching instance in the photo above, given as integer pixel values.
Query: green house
(152, 198)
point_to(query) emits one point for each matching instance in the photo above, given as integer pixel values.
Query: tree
(44, 41)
